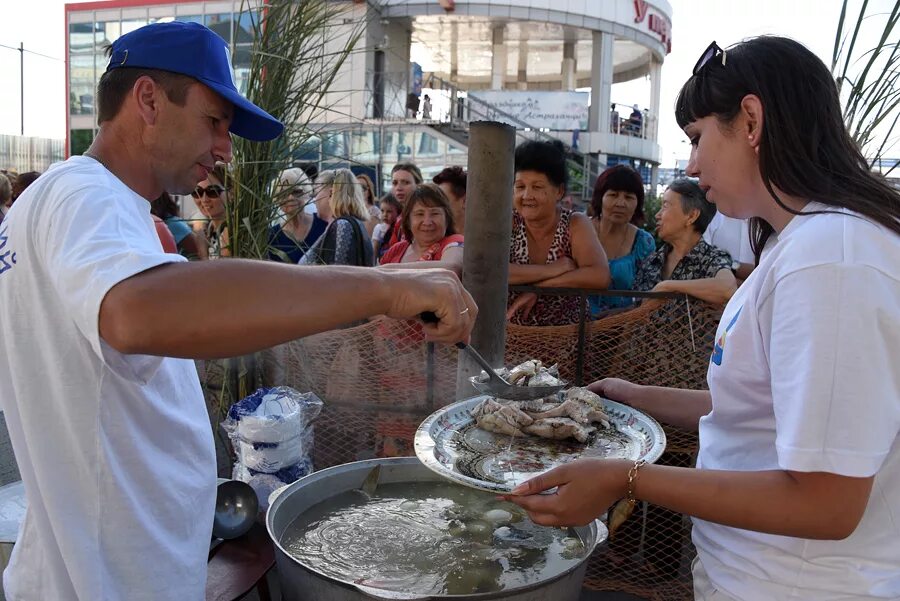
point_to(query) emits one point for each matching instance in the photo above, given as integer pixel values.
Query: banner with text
(557, 111)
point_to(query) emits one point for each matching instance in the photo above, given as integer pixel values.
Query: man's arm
(229, 308)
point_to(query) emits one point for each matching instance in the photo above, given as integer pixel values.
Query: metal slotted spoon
(495, 385)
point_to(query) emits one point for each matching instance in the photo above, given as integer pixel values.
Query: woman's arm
(592, 269)
(717, 290)
(678, 407)
(532, 274)
(814, 505)
(451, 259)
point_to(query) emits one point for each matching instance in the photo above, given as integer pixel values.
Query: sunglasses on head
(712, 51)
(210, 192)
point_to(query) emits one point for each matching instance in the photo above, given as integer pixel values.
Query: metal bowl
(236, 508)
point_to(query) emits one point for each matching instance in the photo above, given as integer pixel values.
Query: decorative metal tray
(449, 443)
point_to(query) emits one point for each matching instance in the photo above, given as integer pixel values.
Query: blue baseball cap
(196, 51)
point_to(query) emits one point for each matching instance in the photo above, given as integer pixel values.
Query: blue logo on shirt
(719, 348)
(7, 257)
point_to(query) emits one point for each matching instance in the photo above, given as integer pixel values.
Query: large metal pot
(300, 582)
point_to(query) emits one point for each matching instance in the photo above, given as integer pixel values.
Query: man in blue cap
(110, 431)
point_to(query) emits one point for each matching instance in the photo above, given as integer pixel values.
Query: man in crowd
(106, 415)
(452, 180)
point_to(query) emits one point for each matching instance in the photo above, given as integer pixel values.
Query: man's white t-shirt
(115, 451)
(804, 377)
(732, 235)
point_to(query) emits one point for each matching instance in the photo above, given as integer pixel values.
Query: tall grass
(869, 79)
(298, 50)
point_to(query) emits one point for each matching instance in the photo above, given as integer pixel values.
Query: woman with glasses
(796, 490)
(289, 240)
(211, 196)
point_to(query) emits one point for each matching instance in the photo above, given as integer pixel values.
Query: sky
(39, 25)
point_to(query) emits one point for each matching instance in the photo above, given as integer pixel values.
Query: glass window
(106, 33)
(81, 37)
(80, 140)
(221, 24)
(132, 24)
(81, 84)
(190, 18)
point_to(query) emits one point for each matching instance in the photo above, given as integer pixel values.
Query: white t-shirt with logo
(805, 376)
(116, 451)
(732, 235)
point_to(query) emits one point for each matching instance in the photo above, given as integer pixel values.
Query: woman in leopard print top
(551, 247)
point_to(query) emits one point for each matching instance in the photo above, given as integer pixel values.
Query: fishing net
(380, 379)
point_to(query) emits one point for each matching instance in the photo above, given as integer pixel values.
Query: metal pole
(21, 88)
(488, 230)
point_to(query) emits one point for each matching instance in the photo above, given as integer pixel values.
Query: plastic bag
(270, 429)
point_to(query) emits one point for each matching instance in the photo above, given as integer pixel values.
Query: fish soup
(429, 538)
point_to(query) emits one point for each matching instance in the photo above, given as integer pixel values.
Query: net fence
(380, 379)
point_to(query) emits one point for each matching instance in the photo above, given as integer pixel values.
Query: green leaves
(869, 80)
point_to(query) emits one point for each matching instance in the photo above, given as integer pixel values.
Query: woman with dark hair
(550, 246)
(798, 473)
(685, 262)
(429, 233)
(618, 207)
(166, 209)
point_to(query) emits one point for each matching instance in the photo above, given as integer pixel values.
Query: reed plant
(299, 47)
(869, 79)
(298, 50)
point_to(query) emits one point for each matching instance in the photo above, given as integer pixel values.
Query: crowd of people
(337, 217)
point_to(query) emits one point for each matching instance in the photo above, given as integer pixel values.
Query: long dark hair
(805, 149)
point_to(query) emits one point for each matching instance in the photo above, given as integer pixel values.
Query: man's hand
(585, 489)
(437, 290)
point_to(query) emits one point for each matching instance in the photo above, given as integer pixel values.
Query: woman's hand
(665, 286)
(615, 389)
(524, 303)
(565, 265)
(585, 490)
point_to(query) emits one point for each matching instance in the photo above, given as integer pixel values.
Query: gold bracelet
(632, 478)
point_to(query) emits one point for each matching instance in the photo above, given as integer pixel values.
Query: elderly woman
(339, 201)
(550, 246)
(618, 207)
(429, 233)
(685, 262)
(211, 197)
(290, 240)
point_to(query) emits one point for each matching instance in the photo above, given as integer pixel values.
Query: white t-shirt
(116, 451)
(732, 235)
(804, 377)
(379, 232)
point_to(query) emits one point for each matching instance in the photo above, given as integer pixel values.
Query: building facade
(545, 66)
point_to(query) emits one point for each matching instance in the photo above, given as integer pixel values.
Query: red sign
(656, 23)
(640, 10)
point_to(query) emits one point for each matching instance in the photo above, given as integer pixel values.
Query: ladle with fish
(494, 384)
